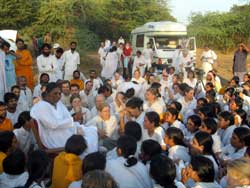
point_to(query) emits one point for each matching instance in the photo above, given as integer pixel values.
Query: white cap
(56, 45)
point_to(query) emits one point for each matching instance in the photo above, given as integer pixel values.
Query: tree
(16, 14)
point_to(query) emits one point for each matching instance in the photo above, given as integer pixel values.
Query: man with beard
(12, 111)
(5, 123)
(44, 80)
(46, 62)
(23, 63)
(77, 80)
(72, 59)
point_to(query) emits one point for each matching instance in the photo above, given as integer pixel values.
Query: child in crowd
(23, 132)
(126, 170)
(14, 174)
(171, 119)
(67, 165)
(174, 140)
(226, 127)
(163, 172)
(201, 172)
(209, 125)
(193, 124)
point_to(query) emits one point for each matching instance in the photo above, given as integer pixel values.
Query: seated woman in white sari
(138, 78)
(126, 170)
(76, 103)
(107, 127)
(153, 129)
(153, 102)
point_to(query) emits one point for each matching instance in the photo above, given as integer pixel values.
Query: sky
(181, 9)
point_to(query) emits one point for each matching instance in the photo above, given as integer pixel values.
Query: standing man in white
(72, 59)
(208, 58)
(47, 63)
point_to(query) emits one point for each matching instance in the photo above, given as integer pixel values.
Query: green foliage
(16, 14)
(221, 30)
(86, 21)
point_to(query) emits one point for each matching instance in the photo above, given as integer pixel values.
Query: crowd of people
(136, 125)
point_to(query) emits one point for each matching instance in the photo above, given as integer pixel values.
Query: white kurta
(71, 62)
(10, 181)
(47, 65)
(59, 68)
(208, 58)
(13, 116)
(136, 176)
(139, 63)
(25, 99)
(148, 55)
(3, 87)
(55, 124)
(110, 65)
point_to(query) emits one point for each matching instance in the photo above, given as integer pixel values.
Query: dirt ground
(224, 65)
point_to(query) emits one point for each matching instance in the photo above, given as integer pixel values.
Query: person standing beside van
(148, 55)
(127, 54)
(208, 58)
(239, 61)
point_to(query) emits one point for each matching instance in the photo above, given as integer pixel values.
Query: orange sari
(23, 66)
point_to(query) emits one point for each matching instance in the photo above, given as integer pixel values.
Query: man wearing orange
(5, 123)
(23, 64)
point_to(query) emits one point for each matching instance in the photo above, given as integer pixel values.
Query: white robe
(109, 65)
(136, 176)
(47, 65)
(25, 100)
(55, 124)
(10, 181)
(71, 62)
(3, 87)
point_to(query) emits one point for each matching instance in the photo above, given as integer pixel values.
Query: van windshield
(169, 42)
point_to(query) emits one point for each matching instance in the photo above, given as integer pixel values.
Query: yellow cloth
(6, 125)
(67, 168)
(80, 83)
(23, 66)
(2, 157)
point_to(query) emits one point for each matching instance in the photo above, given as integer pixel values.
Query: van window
(140, 41)
(168, 42)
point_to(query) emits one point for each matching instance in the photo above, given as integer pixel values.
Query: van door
(191, 45)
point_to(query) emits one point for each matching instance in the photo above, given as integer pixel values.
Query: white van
(10, 36)
(164, 37)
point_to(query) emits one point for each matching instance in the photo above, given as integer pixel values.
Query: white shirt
(108, 126)
(13, 116)
(190, 83)
(88, 101)
(71, 62)
(37, 91)
(3, 86)
(158, 135)
(230, 153)
(179, 152)
(10, 181)
(86, 114)
(25, 139)
(226, 134)
(59, 67)
(148, 55)
(207, 185)
(47, 65)
(139, 62)
(187, 108)
(209, 56)
(180, 126)
(55, 124)
(136, 176)
(25, 100)
(216, 143)
(157, 107)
